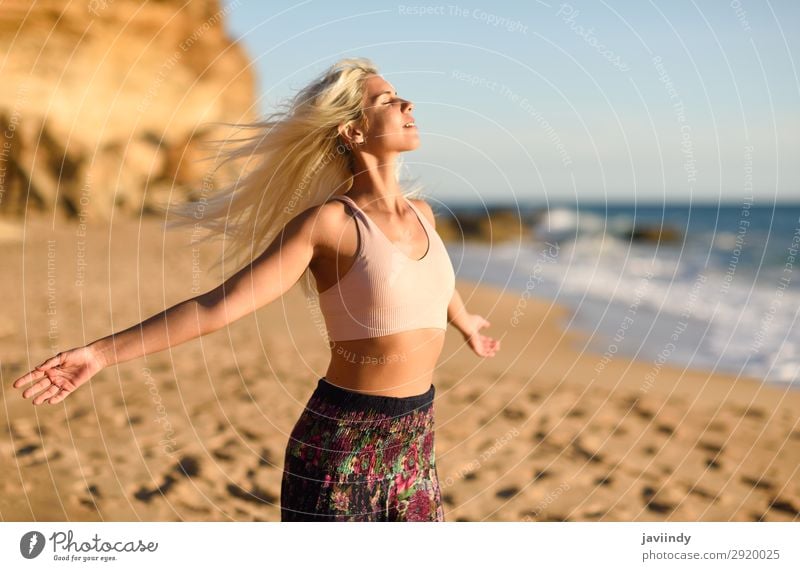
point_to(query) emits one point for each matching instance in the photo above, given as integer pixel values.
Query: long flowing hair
(298, 161)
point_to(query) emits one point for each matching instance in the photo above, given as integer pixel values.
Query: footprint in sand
(145, 495)
(33, 454)
(540, 475)
(638, 407)
(702, 493)
(606, 480)
(751, 412)
(555, 517)
(784, 506)
(619, 429)
(187, 466)
(576, 412)
(248, 434)
(255, 494)
(760, 483)
(26, 450)
(224, 451)
(506, 493)
(266, 459)
(779, 505)
(512, 413)
(653, 503)
(93, 496)
(220, 454)
(715, 448)
(536, 516)
(594, 457)
(665, 429)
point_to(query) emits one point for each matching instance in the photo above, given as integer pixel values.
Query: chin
(413, 145)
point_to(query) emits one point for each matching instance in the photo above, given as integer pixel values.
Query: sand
(544, 431)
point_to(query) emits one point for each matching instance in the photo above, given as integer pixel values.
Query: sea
(722, 295)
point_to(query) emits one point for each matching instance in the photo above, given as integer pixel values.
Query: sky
(542, 102)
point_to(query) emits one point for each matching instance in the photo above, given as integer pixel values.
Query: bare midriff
(396, 365)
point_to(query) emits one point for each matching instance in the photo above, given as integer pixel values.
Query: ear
(351, 134)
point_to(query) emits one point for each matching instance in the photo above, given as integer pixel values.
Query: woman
(363, 447)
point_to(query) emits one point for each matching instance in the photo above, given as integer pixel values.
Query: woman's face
(388, 116)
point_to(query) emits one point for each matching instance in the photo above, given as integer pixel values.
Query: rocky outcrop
(106, 104)
(496, 224)
(491, 225)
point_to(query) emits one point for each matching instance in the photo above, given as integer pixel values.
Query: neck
(376, 179)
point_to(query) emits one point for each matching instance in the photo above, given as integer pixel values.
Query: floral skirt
(358, 457)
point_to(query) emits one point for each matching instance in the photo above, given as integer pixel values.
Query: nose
(408, 105)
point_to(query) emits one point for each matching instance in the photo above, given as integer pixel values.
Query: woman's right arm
(268, 277)
(180, 323)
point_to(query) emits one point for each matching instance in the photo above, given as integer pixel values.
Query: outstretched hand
(483, 345)
(58, 377)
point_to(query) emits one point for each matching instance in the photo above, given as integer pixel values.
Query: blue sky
(542, 102)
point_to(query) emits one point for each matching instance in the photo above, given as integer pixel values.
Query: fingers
(490, 346)
(34, 389)
(46, 385)
(27, 377)
(59, 397)
(51, 362)
(38, 372)
(49, 392)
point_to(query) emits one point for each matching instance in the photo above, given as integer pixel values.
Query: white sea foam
(742, 323)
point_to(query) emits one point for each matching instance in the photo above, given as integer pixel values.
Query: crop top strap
(422, 218)
(355, 207)
(350, 202)
(358, 214)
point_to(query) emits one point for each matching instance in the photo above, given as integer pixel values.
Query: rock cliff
(106, 104)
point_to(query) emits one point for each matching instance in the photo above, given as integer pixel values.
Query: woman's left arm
(470, 324)
(457, 314)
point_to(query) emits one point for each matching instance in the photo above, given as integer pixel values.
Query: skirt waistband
(353, 400)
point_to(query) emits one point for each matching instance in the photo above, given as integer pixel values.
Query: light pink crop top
(385, 291)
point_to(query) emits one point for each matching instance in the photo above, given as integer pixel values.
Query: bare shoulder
(425, 208)
(323, 221)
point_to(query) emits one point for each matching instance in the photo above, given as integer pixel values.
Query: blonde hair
(300, 162)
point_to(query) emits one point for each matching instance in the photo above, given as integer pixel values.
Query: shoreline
(555, 311)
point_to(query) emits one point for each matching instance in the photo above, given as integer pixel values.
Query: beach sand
(544, 431)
